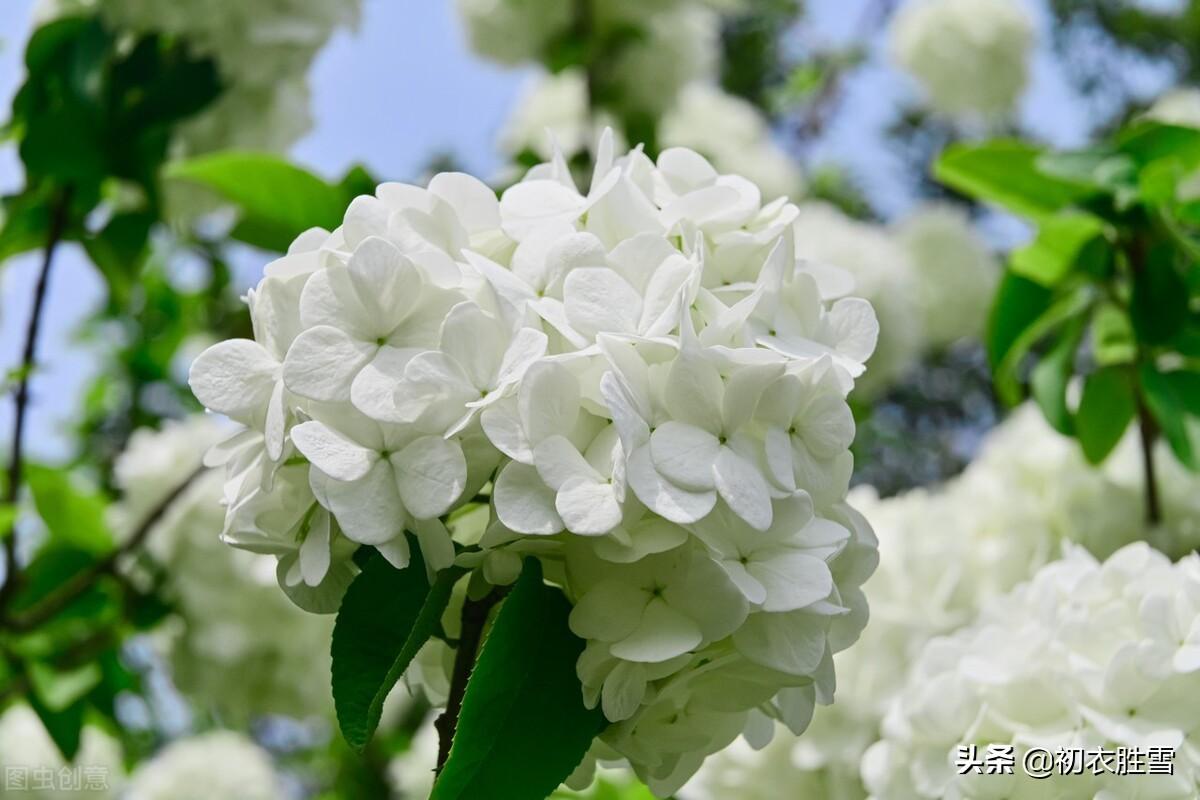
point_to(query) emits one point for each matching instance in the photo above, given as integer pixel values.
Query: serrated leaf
(73, 515)
(270, 191)
(1005, 172)
(523, 727)
(385, 618)
(1105, 410)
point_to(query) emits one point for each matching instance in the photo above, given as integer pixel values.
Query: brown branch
(58, 225)
(71, 589)
(474, 618)
(1148, 429)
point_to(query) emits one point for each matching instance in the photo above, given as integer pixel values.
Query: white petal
(609, 611)
(369, 510)
(662, 634)
(854, 328)
(275, 424)
(624, 689)
(396, 551)
(663, 497)
(793, 642)
(530, 204)
(524, 503)
(599, 300)
(792, 579)
(747, 584)
(558, 462)
(431, 473)
(375, 390)
(472, 200)
(235, 378)
(548, 400)
(314, 550)
(685, 454)
(329, 451)
(386, 283)
(503, 428)
(526, 347)
(588, 508)
(743, 487)
(694, 392)
(322, 363)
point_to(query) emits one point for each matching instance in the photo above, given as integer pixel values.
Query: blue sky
(404, 87)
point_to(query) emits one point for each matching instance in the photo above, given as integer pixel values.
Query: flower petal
(524, 503)
(323, 362)
(431, 473)
(329, 451)
(662, 634)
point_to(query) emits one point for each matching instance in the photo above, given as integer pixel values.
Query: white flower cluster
(219, 765)
(970, 56)
(649, 381)
(1177, 107)
(27, 752)
(946, 553)
(1085, 655)
(262, 50)
(956, 273)
(676, 41)
(238, 646)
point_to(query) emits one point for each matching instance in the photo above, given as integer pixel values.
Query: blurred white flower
(971, 57)
(553, 109)
(221, 765)
(1085, 655)
(955, 272)
(654, 387)
(27, 752)
(734, 135)
(238, 646)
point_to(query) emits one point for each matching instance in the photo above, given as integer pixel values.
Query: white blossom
(1087, 654)
(641, 374)
(970, 56)
(1177, 107)
(220, 765)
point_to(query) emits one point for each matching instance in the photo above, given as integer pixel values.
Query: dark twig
(80, 582)
(474, 618)
(1149, 434)
(58, 225)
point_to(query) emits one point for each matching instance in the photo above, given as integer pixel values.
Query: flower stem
(58, 225)
(474, 618)
(1148, 429)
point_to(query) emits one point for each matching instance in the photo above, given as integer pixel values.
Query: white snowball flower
(556, 103)
(221, 765)
(26, 751)
(956, 273)
(237, 646)
(734, 135)
(674, 446)
(883, 273)
(1086, 655)
(949, 551)
(970, 56)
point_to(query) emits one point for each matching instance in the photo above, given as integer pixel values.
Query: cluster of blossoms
(642, 375)
(946, 554)
(970, 56)
(1086, 655)
(237, 646)
(676, 41)
(219, 765)
(262, 50)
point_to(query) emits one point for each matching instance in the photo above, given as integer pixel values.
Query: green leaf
(1049, 379)
(523, 727)
(59, 689)
(65, 727)
(268, 189)
(1105, 410)
(1169, 396)
(1147, 141)
(1005, 172)
(1018, 303)
(385, 618)
(1055, 251)
(73, 515)
(1159, 305)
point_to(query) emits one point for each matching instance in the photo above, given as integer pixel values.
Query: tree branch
(58, 225)
(80, 582)
(474, 617)
(1148, 429)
